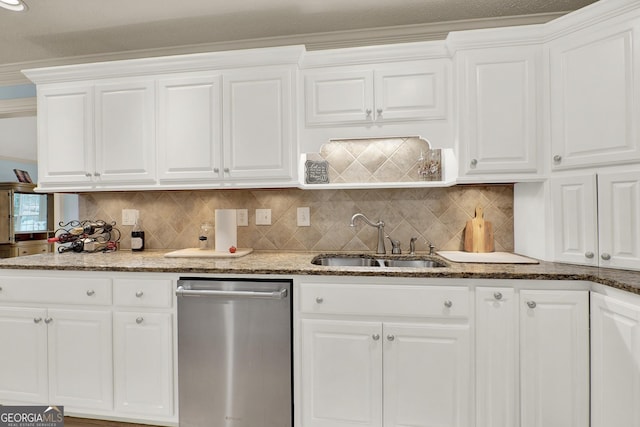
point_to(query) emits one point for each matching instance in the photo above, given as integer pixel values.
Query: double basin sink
(364, 260)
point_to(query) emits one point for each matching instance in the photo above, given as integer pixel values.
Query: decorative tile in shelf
(377, 161)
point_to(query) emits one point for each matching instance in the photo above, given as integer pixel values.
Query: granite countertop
(299, 263)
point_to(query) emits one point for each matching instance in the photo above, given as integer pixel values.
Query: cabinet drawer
(143, 292)
(400, 300)
(41, 248)
(56, 290)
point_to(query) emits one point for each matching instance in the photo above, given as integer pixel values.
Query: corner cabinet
(595, 94)
(499, 109)
(615, 360)
(596, 218)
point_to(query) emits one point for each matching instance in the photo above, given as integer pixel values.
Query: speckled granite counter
(295, 263)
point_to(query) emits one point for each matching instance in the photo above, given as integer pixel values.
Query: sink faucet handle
(431, 248)
(412, 245)
(395, 246)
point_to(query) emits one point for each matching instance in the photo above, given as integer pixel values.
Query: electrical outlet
(242, 217)
(129, 216)
(303, 217)
(263, 216)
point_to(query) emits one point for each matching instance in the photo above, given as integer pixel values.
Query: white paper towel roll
(226, 230)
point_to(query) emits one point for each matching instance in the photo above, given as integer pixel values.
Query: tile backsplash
(171, 219)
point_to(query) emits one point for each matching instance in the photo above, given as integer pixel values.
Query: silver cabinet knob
(448, 304)
(531, 304)
(589, 254)
(368, 111)
(139, 294)
(87, 174)
(497, 295)
(375, 337)
(216, 170)
(557, 158)
(48, 320)
(474, 162)
(91, 293)
(605, 256)
(319, 300)
(96, 174)
(226, 170)
(139, 320)
(379, 111)
(0, 288)
(37, 319)
(390, 337)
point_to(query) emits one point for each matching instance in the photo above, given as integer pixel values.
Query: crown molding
(10, 74)
(17, 107)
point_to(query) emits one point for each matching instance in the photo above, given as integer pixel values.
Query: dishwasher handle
(182, 292)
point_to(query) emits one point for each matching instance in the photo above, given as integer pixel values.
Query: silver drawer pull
(589, 255)
(605, 256)
(139, 320)
(448, 304)
(91, 293)
(531, 304)
(390, 337)
(37, 320)
(139, 294)
(319, 300)
(497, 295)
(375, 337)
(48, 320)
(557, 158)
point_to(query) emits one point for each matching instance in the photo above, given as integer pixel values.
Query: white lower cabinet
(100, 346)
(58, 356)
(537, 374)
(615, 361)
(385, 370)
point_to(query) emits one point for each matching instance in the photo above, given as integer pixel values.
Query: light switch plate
(303, 217)
(129, 216)
(242, 217)
(263, 216)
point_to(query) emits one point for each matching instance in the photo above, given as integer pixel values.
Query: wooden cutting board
(478, 234)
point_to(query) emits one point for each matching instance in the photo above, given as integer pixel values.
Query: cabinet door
(258, 127)
(190, 130)
(341, 373)
(575, 219)
(415, 90)
(497, 374)
(125, 132)
(6, 216)
(615, 362)
(143, 363)
(499, 94)
(343, 95)
(80, 359)
(65, 135)
(595, 96)
(619, 219)
(23, 358)
(426, 375)
(554, 358)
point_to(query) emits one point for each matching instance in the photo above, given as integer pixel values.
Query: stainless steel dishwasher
(234, 353)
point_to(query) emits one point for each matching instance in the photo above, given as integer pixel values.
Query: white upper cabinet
(376, 93)
(125, 132)
(498, 98)
(189, 128)
(65, 135)
(258, 125)
(595, 95)
(412, 90)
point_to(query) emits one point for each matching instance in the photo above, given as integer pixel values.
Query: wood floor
(83, 422)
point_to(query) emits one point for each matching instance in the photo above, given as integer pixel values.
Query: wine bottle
(137, 237)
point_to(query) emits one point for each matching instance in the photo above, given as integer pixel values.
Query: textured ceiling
(65, 28)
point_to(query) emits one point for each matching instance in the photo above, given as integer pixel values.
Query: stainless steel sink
(377, 261)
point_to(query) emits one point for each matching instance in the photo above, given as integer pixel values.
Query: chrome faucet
(395, 246)
(379, 225)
